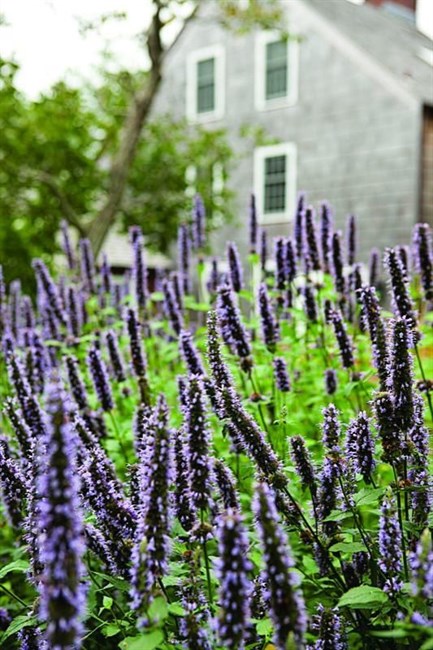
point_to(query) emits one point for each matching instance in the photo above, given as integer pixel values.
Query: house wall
(357, 140)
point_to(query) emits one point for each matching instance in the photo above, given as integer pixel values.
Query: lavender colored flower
(235, 266)
(312, 249)
(263, 249)
(232, 329)
(253, 227)
(331, 430)
(327, 494)
(213, 281)
(281, 375)
(198, 445)
(76, 383)
(101, 381)
(60, 525)
(184, 509)
(30, 638)
(219, 368)
(251, 438)
(4, 312)
(138, 358)
(151, 547)
(360, 445)
(389, 433)
(302, 461)
(290, 261)
(372, 319)
(337, 263)
(422, 246)
(331, 630)
(232, 572)
(325, 235)
(401, 300)
(287, 608)
(390, 554)
(310, 305)
(15, 306)
(184, 256)
(190, 354)
(12, 486)
(116, 360)
(280, 263)
(177, 288)
(28, 317)
(421, 562)
(87, 265)
(226, 485)
(66, 246)
(373, 273)
(171, 307)
(139, 268)
(343, 340)
(299, 225)
(198, 222)
(50, 290)
(270, 329)
(351, 239)
(73, 312)
(331, 381)
(97, 543)
(401, 374)
(20, 428)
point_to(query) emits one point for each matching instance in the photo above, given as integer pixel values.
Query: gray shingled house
(347, 103)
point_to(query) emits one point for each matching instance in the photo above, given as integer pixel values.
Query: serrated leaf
(19, 566)
(143, 642)
(363, 597)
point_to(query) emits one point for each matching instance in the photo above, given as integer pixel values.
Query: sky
(44, 38)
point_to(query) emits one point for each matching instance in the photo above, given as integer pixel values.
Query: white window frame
(260, 155)
(261, 103)
(216, 52)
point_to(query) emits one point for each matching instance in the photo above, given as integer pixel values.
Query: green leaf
(107, 602)
(110, 630)
(176, 609)
(348, 547)
(338, 515)
(148, 641)
(158, 610)
(366, 497)
(363, 597)
(18, 624)
(264, 627)
(19, 566)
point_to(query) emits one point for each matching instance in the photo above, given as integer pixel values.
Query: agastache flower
(226, 485)
(280, 263)
(351, 239)
(137, 354)
(213, 281)
(198, 445)
(253, 227)
(360, 445)
(73, 312)
(232, 572)
(60, 524)
(373, 272)
(331, 630)
(331, 381)
(422, 246)
(343, 340)
(87, 265)
(310, 305)
(421, 562)
(184, 256)
(401, 374)
(190, 354)
(302, 461)
(106, 281)
(281, 375)
(337, 263)
(50, 290)
(290, 261)
(76, 383)
(401, 300)
(235, 266)
(287, 608)
(263, 249)
(139, 268)
(198, 222)
(116, 359)
(325, 235)
(331, 430)
(12, 486)
(184, 509)
(171, 307)
(219, 368)
(299, 225)
(312, 250)
(390, 554)
(66, 246)
(389, 433)
(232, 329)
(373, 320)
(20, 428)
(101, 381)
(270, 329)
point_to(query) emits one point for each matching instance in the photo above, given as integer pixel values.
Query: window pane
(275, 184)
(206, 86)
(276, 69)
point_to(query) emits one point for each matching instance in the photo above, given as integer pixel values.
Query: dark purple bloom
(302, 461)
(331, 430)
(192, 626)
(311, 247)
(337, 263)
(50, 290)
(287, 608)
(232, 572)
(12, 486)
(198, 222)
(401, 374)
(310, 305)
(299, 225)
(20, 428)
(327, 495)
(171, 307)
(116, 359)
(360, 445)
(184, 509)
(218, 366)
(343, 340)
(139, 268)
(66, 246)
(389, 433)
(138, 358)
(401, 300)
(270, 329)
(73, 312)
(190, 354)
(373, 320)
(263, 249)
(232, 329)
(374, 267)
(331, 381)
(177, 288)
(213, 282)
(331, 630)
(290, 263)
(198, 433)
(235, 266)
(101, 381)
(61, 545)
(253, 224)
(351, 239)
(281, 375)
(422, 246)
(87, 265)
(184, 256)
(97, 543)
(150, 551)
(226, 484)
(390, 554)
(280, 263)
(325, 235)
(76, 383)
(30, 638)
(421, 562)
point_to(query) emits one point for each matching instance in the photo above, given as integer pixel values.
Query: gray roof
(392, 40)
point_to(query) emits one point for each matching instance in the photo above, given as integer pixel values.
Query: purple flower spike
(422, 567)
(61, 544)
(116, 359)
(401, 300)
(373, 273)
(290, 261)
(87, 266)
(337, 263)
(184, 256)
(263, 249)
(303, 464)
(236, 274)
(270, 329)
(232, 572)
(198, 446)
(50, 290)
(326, 235)
(310, 305)
(219, 369)
(12, 487)
(101, 381)
(389, 432)
(401, 374)
(226, 485)
(213, 282)
(312, 249)
(422, 246)
(198, 222)
(253, 224)
(139, 268)
(287, 608)
(390, 557)
(360, 445)
(351, 239)
(331, 430)
(331, 630)
(280, 264)
(281, 375)
(185, 511)
(171, 307)
(137, 355)
(189, 353)
(232, 329)
(373, 321)
(66, 246)
(331, 381)
(299, 225)
(343, 340)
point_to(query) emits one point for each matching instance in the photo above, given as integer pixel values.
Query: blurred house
(342, 109)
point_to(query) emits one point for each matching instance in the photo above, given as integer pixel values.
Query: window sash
(275, 184)
(206, 85)
(276, 82)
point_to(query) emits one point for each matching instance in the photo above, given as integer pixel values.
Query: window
(275, 182)
(205, 84)
(276, 83)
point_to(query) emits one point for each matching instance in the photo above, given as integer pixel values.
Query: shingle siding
(357, 144)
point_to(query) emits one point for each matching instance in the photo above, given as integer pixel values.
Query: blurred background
(118, 112)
